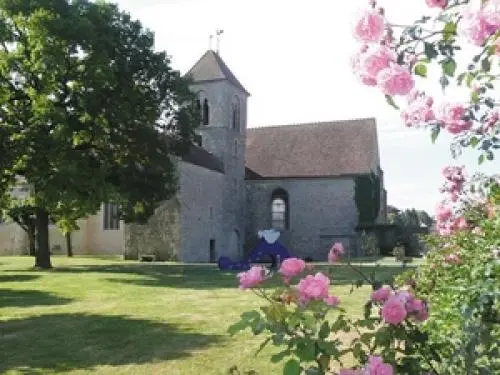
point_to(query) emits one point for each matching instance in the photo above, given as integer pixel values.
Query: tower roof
(211, 67)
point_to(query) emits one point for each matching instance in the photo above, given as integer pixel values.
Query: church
(235, 181)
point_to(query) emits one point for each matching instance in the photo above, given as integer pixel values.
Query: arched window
(280, 210)
(206, 112)
(236, 114)
(198, 109)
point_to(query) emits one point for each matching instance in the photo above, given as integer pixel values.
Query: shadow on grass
(17, 278)
(208, 276)
(64, 342)
(29, 298)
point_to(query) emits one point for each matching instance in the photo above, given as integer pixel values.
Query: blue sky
(293, 57)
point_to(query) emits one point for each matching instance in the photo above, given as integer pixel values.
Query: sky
(293, 56)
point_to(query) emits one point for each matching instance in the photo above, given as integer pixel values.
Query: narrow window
(279, 210)
(236, 114)
(235, 148)
(111, 219)
(206, 112)
(198, 110)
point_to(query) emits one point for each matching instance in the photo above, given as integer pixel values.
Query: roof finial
(211, 37)
(218, 32)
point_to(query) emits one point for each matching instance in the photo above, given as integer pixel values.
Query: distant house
(298, 179)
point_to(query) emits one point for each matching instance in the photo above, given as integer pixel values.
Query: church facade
(298, 179)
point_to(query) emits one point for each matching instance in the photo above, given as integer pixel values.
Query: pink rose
(453, 117)
(497, 47)
(335, 252)
(443, 213)
(418, 112)
(423, 314)
(460, 223)
(491, 11)
(453, 259)
(292, 267)
(332, 300)
(381, 294)
(376, 59)
(437, 3)
(370, 26)
(478, 25)
(415, 305)
(395, 80)
(348, 371)
(313, 287)
(394, 311)
(377, 367)
(253, 277)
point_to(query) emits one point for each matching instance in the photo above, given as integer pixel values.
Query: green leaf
(262, 346)
(279, 356)
(292, 367)
(449, 31)
(475, 97)
(430, 50)
(435, 133)
(324, 331)
(485, 64)
(237, 327)
(391, 102)
(306, 350)
(449, 67)
(421, 70)
(474, 141)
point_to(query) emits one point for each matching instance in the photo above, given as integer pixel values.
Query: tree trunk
(32, 239)
(69, 247)
(42, 229)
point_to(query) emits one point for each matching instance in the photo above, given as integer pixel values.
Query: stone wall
(160, 236)
(202, 215)
(322, 211)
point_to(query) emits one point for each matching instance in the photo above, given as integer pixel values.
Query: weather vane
(218, 33)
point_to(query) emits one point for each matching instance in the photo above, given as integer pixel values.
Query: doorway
(212, 255)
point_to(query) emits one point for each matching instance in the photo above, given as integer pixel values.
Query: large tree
(90, 111)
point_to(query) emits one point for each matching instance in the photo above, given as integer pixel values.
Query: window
(236, 114)
(206, 112)
(198, 109)
(279, 210)
(198, 139)
(111, 218)
(235, 148)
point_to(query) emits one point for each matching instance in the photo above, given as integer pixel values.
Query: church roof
(202, 158)
(211, 67)
(324, 149)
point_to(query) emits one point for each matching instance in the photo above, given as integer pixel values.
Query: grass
(102, 316)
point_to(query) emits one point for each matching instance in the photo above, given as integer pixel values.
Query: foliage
(367, 197)
(459, 278)
(441, 41)
(90, 114)
(308, 330)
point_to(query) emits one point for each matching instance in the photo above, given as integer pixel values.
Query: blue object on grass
(276, 251)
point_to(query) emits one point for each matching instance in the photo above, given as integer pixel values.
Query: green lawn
(105, 316)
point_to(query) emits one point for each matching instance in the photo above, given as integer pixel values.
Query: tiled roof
(321, 149)
(210, 67)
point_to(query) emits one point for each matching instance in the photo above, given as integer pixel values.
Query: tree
(367, 197)
(92, 113)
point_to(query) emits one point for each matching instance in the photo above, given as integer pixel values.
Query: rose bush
(307, 321)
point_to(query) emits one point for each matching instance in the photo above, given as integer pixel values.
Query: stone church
(235, 181)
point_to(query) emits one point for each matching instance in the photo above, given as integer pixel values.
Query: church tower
(222, 102)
